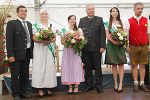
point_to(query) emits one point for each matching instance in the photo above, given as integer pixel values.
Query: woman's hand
(109, 37)
(46, 41)
(115, 42)
(62, 41)
(70, 47)
(53, 40)
(36, 40)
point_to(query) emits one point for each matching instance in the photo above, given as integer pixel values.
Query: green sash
(48, 45)
(112, 30)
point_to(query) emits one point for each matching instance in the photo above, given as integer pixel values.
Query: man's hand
(102, 50)
(148, 48)
(11, 59)
(128, 49)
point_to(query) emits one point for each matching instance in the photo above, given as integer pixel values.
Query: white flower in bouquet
(45, 28)
(73, 41)
(124, 33)
(119, 34)
(120, 37)
(71, 31)
(37, 34)
(81, 37)
(6, 58)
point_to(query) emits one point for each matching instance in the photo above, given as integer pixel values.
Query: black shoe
(88, 88)
(119, 91)
(99, 90)
(41, 96)
(76, 91)
(17, 98)
(49, 93)
(25, 95)
(136, 88)
(115, 90)
(144, 88)
(70, 93)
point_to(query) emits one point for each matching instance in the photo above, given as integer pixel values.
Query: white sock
(141, 83)
(136, 82)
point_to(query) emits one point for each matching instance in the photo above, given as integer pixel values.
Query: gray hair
(138, 3)
(89, 5)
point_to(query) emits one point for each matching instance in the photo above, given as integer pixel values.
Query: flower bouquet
(5, 63)
(74, 39)
(119, 35)
(45, 34)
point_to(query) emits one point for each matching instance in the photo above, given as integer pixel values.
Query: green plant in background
(4, 13)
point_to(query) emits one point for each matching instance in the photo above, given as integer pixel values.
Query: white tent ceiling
(31, 2)
(17, 2)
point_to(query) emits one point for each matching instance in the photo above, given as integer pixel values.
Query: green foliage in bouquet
(79, 45)
(75, 40)
(45, 34)
(120, 36)
(5, 63)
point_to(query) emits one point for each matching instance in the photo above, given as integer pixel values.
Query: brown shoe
(136, 88)
(144, 88)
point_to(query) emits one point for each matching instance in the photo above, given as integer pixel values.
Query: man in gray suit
(93, 28)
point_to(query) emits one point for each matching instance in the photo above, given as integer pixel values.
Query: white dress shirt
(29, 44)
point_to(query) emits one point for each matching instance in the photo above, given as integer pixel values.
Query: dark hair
(21, 6)
(118, 18)
(149, 16)
(75, 25)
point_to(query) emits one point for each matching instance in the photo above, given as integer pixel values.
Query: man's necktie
(27, 32)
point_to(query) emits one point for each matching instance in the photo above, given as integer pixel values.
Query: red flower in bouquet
(5, 63)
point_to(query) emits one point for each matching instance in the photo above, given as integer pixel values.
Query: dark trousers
(20, 75)
(92, 61)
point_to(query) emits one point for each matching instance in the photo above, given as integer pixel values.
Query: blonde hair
(43, 10)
